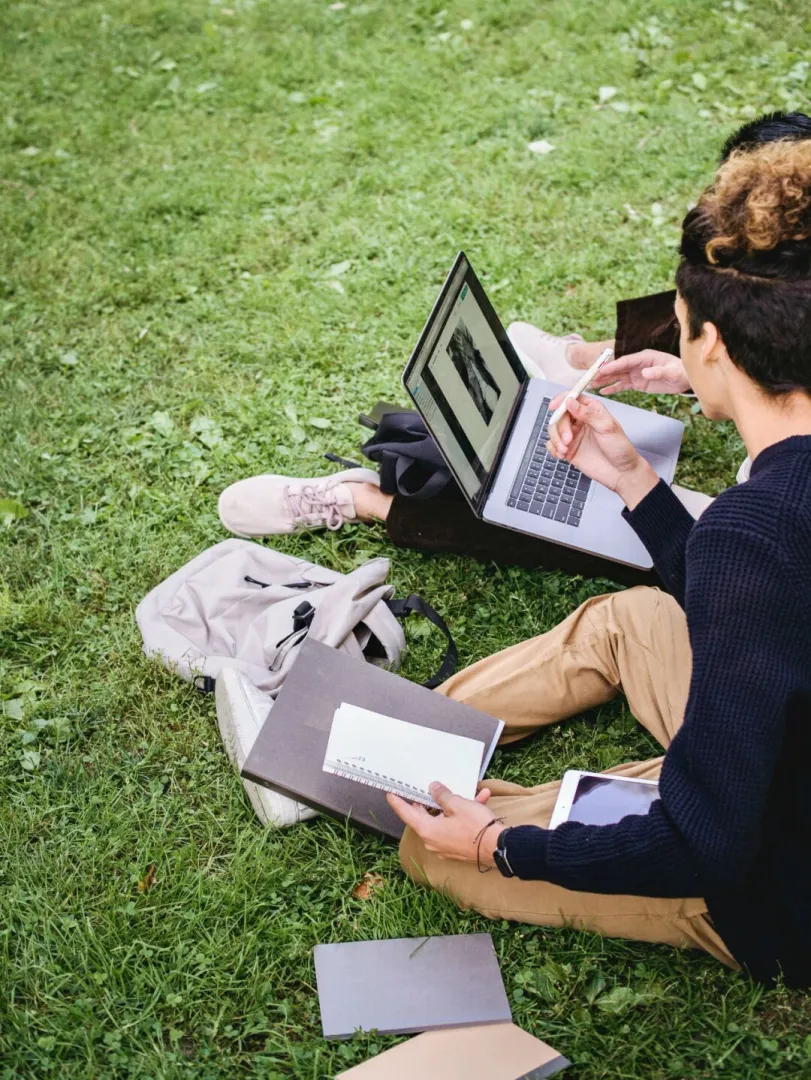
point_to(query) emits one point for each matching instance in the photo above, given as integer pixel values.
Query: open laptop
(489, 419)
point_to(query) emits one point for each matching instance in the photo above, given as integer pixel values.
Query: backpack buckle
(302, 618)
(204, 684)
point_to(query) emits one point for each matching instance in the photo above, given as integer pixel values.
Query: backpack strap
(401, 609)
(411, 464)
(347, 464)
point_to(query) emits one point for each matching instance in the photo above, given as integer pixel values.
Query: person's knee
(631, 607)
(627, 613)
(645, 616)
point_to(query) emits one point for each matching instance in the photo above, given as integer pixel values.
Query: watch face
(501, 862)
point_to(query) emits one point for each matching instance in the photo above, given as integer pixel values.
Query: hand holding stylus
(582, 384)
(589, 437)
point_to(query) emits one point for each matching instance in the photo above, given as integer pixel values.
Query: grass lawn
(222, 229)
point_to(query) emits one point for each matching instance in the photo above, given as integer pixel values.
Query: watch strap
(500, 855)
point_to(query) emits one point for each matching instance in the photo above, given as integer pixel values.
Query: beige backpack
(243, 605)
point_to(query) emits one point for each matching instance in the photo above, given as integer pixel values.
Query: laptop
(489, 420)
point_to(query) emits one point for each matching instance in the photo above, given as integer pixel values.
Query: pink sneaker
(268, 505)
(543, 355)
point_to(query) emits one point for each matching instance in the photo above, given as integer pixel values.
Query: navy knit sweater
(733, 823)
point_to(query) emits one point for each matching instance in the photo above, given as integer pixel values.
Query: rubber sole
(231, 699)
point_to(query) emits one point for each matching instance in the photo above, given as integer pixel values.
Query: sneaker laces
(569, 339)
(566, 339)
(316, 501)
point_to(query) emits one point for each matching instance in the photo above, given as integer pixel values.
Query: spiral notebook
(288, 755)
(395, 755)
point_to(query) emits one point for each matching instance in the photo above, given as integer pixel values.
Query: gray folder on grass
(288, 754)
(409, 984)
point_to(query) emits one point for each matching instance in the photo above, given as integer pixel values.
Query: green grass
(178, 182)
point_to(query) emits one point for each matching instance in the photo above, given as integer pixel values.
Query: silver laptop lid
(466, 380)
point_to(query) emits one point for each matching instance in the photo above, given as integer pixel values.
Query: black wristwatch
(500, 855)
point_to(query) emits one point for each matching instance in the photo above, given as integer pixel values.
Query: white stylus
(582, 384)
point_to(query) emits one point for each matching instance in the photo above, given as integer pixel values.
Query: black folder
(288, 754)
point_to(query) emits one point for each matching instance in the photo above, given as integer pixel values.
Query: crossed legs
(633, 642)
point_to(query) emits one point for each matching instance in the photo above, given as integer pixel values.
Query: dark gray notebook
(288, 754)
(409, 984)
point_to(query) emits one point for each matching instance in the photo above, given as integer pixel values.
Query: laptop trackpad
(663, 466)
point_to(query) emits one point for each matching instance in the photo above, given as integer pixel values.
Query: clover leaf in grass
(162, 423)
(13, 708)
(620, 999)
(10, 511)
(207, 431)
(30, 760)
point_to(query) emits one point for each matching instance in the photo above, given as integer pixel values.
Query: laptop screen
(465, 379)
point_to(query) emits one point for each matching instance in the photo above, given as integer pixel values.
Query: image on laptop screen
(465, 388)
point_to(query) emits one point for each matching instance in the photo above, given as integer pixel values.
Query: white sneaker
(544, 355)
(241, 711)
(267, 505)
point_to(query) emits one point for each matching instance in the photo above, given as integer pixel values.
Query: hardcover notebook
(486, 1052)
(409, 984)
(289, 751)
(393, 755)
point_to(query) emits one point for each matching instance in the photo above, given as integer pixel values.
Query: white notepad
(393, 755)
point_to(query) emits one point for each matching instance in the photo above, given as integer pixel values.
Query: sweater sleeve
(702, 835)
(664, 526)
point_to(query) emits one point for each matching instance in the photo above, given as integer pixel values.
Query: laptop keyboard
(545, 486)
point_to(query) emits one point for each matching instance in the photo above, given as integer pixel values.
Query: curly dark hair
(746, 262)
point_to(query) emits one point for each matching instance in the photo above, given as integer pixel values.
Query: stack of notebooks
(449, 988)
(343, 732)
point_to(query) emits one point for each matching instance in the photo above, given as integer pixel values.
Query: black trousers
(445, 523)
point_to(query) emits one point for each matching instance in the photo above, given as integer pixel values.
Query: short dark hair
(746, 262)
(765, 325)
(768, 128)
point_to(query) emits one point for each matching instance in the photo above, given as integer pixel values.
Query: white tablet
(601, 799)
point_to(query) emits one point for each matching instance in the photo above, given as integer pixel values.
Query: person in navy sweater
(718, 668)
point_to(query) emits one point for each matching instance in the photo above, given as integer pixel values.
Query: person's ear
(712, 344)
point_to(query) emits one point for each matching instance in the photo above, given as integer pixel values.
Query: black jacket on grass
(733, 823)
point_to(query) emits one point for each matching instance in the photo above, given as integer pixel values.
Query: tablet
(601, 799)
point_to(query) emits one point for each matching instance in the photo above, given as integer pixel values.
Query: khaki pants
(634, 642)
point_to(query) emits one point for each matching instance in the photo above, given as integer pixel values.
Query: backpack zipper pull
(253, 581)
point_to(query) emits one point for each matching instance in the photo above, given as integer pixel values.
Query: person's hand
(650, 371)
(451, 834)
(592, 440)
